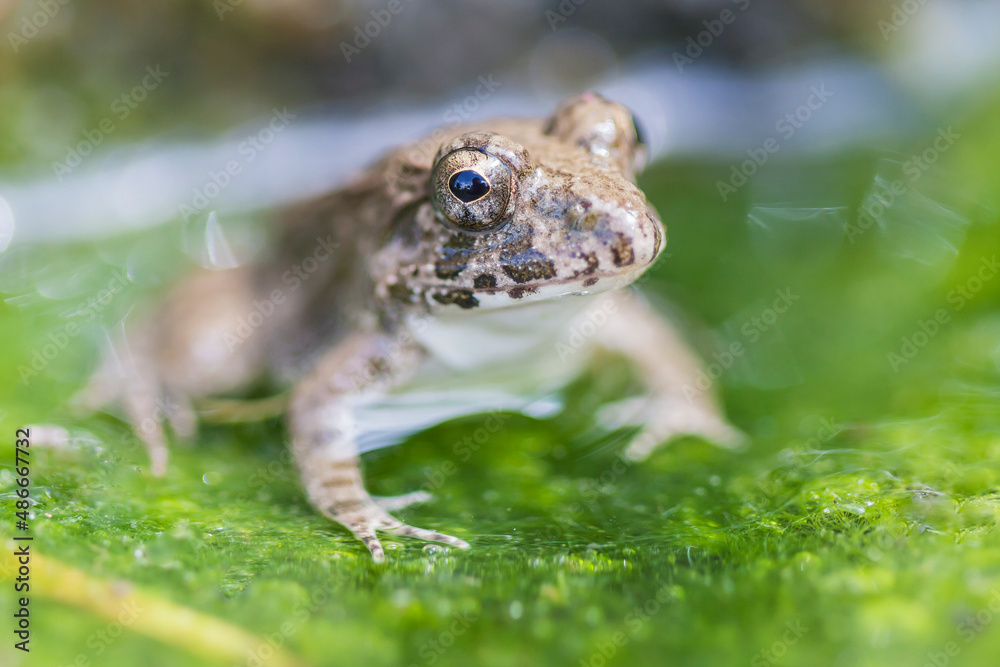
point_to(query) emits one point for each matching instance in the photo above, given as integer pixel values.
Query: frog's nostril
(587, 222)
(581, 216)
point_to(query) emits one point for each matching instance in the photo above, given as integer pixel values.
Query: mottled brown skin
(562, 218)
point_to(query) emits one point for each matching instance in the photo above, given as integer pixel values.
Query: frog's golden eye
(472, 189)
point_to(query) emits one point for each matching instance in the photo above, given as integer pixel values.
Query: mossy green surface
(858, 528)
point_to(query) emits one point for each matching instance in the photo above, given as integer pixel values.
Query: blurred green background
(858, 528)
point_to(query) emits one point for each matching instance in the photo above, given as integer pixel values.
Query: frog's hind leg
(188, 348)
(127, 376)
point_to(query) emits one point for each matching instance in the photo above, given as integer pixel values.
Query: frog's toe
(427, 535)
(147, 426)
(393, 503)
(672, 425)
(181, 415)
(367, 535)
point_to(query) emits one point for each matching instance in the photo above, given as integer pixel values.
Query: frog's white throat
(489, 360)
(515, 334)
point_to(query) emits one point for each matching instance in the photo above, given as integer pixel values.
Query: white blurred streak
(220, 255)
(926, 223)
(6, 225)
(767, 361)
(218, 244)
(714, 112)
(703, 111)
(806, 235)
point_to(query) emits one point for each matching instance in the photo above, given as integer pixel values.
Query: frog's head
(523, 210)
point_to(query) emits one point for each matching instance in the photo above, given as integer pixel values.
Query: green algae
(858, 528)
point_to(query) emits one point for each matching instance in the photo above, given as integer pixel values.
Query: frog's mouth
(491, 298)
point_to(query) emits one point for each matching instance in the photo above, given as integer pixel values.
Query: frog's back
(319, 262)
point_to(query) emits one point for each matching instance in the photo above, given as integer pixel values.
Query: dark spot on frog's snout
(592, 263)
(529, 265)
(621, 250)
(462, 298)
(485, 281)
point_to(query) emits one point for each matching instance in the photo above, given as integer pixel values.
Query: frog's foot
(147, 405)
(364, 518)
(336, 489)
(665, 421)
(720, 433)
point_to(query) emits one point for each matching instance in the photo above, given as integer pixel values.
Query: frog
(439, 282)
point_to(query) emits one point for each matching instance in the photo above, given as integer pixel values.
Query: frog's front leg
(323, 428)
(675, 404)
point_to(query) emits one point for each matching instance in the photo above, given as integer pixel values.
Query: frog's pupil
(468, 186)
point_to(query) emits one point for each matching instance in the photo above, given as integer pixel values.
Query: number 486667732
(23, 481)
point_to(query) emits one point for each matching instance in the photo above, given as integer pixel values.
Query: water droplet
(854, 508)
